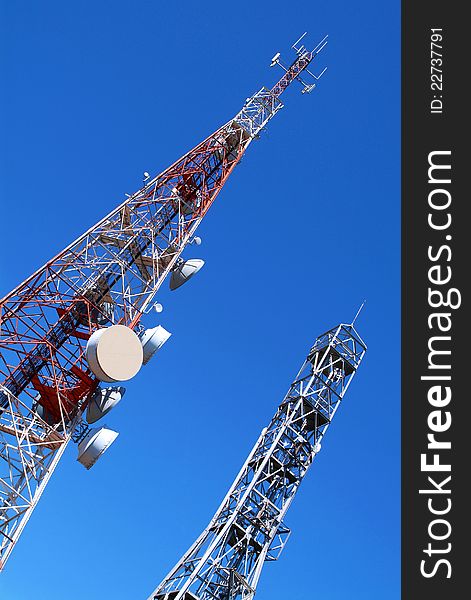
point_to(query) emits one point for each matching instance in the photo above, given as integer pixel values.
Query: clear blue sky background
(93, 94)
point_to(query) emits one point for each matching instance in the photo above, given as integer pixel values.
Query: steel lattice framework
(109, 275)
(248, 529)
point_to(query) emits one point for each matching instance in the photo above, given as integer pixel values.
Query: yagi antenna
(305, 57)
(295, 45)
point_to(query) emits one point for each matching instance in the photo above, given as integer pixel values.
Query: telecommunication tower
(248, 528)
(75, 324)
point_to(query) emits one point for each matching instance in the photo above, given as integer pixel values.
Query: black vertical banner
(436, 360)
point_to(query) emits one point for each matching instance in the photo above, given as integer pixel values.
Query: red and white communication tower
(72, 330)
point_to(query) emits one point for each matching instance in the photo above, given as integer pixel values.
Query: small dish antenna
(274, 60)
(94, 445)
(102, 401)
(185, 271)
(152, 340)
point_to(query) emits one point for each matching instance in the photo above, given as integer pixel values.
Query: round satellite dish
(114, 353)
(94, 444)
(184, 271)
(158, 307)
(102, 401)
(152, 340)
(317, 448)
(44, 415)
(197, 240)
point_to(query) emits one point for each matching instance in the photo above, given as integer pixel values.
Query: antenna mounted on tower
(358, 312)
(302, 62)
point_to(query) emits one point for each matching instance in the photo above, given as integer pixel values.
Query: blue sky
(95, 93)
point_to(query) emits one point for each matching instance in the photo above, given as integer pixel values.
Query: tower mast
(108, 277)
(248, 529)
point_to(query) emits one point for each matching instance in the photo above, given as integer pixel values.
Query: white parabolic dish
(152, 340)
(185, 271)
(102, 401)
(94, 445)
(114, 353)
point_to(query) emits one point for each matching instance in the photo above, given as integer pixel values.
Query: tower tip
(358, 312)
